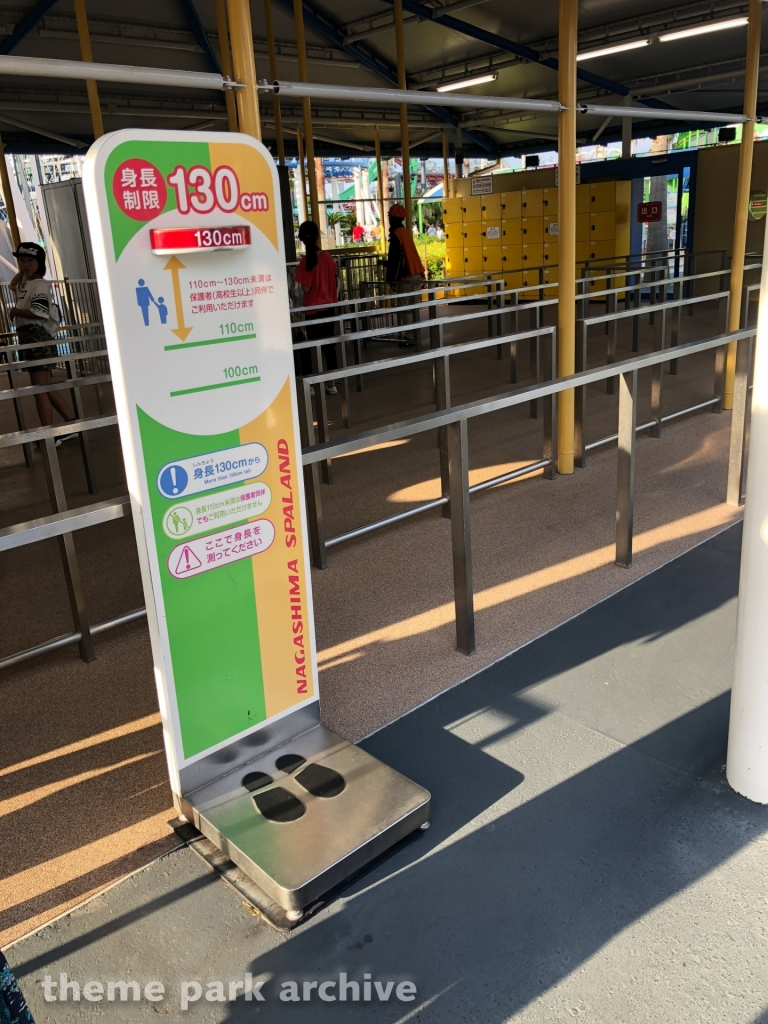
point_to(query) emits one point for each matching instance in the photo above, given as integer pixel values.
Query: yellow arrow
(174, 264)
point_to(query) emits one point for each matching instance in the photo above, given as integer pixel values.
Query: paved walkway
(586, 860)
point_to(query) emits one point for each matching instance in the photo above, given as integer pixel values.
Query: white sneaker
(331, 389)
(66, 437)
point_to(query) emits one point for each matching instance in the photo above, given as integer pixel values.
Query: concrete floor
(586, 857)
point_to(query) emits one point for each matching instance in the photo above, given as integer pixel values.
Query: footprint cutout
(279, 805)
(321, 781)
(289, 763)
(256, 780)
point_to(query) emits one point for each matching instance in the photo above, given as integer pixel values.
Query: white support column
(747, 767)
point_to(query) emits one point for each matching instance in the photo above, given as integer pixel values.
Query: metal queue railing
(454, 423)
(77, 354)
(496, 315)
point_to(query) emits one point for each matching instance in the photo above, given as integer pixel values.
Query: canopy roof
(444, 42)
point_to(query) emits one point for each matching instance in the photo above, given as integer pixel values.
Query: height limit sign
(191, 270)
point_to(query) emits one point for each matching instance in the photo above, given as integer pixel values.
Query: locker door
(583, 199)
(511, 257)
(510, 205)
(492, 258)
(473, 259)
(533, 255)
(582, 251)
(551, 254)
(454, 236)
(454, 261)
(531, 202)
(550, 202)
(452, 211)
(532, 229)
(491, 232)
(472, 206)
(512, 232)
(603, 226)
(583, 227)
(551, 227)
(602, 196)
(473, 234)
(491, 207)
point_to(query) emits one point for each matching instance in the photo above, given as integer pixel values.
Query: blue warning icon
(173, 481)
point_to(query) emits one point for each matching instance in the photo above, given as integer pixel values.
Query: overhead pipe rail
(455, 424)
(49, 67)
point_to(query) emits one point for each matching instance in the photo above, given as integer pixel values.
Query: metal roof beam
(26, 25)
(188, 6)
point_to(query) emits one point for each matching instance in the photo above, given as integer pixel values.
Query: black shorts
(30, 334)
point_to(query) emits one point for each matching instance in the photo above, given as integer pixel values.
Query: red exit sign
(649, 213)
(166, 241)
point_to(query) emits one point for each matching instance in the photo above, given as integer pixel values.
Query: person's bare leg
(61, 407)
(44, 408)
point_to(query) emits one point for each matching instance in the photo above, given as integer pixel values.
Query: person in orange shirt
(318, 276)
(405, 271)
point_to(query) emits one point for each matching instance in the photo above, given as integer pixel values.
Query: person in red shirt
(358, 233)
(317, 275)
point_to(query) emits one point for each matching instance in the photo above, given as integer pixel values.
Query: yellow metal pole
(10, 206)
(226, 62)
(566, 305)
(301, 47)
(86, 54)
(401, 84)
(446, 175)
(380, 191)
(742, 192)
(273, 77)
(302, 178)
(244, 67)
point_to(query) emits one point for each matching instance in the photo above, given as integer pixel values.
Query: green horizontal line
(212, 341)
(215, 387)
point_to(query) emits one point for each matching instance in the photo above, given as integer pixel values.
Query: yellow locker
(454, 236)
(583, 199)
(603, 250)
(454, 261)
(550, 202)
(473, 259)
(510, 205)
(512, 232)
(511, 257)
(603, 226)
(472, 208)
(491, 207)
(531, 202)
(513, 280)
(452, 211)
(531, 277)
(533, 255)
(623, 217)
(491, 232)
(582, 250)
(602, 196)
(551, 226)
(550, 276)
(473, 233)
(532, 229)
(492, 258)
(551, 253)
(583, 227)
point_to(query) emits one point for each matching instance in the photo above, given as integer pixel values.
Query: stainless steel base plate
(301, 818)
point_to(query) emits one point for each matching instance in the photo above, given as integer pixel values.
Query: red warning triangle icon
(188, 561)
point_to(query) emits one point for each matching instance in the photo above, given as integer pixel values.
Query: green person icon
(178, 521)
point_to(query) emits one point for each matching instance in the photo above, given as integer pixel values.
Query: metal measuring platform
(307, 813)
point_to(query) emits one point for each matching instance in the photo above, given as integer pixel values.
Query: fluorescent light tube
(618, 48)
(700, 30)
(466, 82)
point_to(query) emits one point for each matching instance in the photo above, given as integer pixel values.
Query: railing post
(442, 372)
(580, 397)
(461, 539)
(67, 551)
(549, 447)
(719, 378)
(311, 480)
(611, 327)
(323, 431)
(657, 376)
(737, 455)
(85, 441)
(625, 490)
